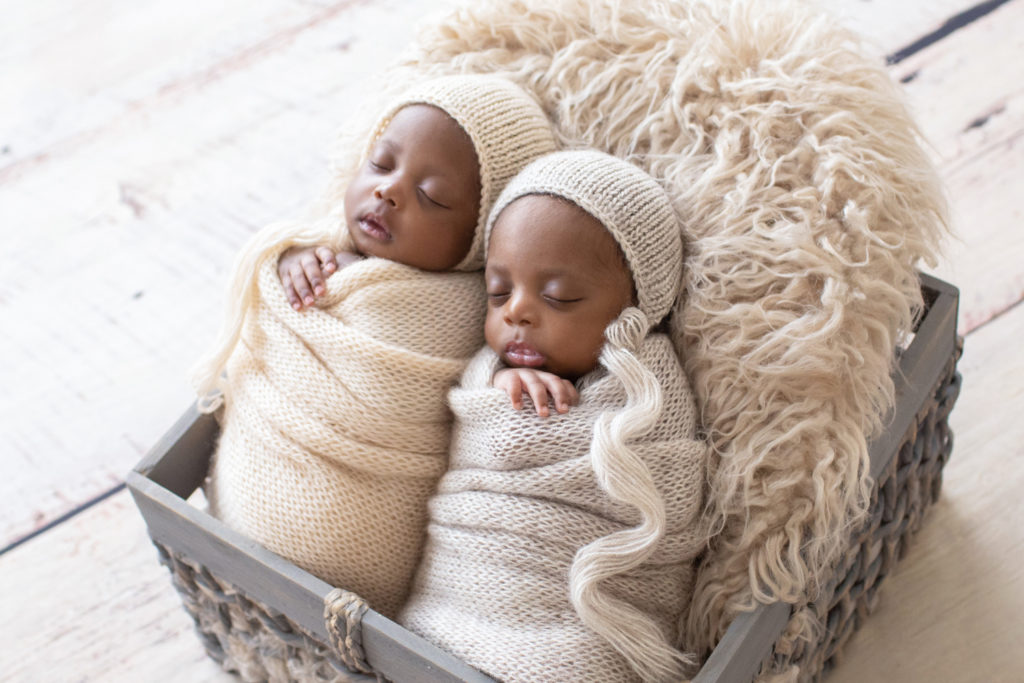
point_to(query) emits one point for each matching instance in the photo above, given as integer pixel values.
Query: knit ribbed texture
(518, 503)
(628, 202)
(335, 429)
(507, 127)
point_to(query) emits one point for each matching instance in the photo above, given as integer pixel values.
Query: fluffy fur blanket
(335, 429)
(808, 202)
(521, 516)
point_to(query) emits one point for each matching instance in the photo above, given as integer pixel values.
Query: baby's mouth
(522, 355)
(375, 228)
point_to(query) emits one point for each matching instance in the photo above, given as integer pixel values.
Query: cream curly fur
(807, 201)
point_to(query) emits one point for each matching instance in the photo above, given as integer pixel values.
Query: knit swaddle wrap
(335, 429)
(520, 500)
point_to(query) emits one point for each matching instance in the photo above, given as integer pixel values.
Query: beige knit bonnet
(507, 127)
(630, 204)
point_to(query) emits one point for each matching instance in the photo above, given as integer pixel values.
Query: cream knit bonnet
(507, 127)
(630, 204)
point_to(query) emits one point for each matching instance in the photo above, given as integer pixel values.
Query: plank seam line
(952, 24)
(63, 518)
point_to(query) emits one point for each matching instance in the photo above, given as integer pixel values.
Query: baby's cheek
(492, 329)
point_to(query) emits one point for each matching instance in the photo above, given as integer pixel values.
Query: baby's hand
(302, 271)
(539, 385)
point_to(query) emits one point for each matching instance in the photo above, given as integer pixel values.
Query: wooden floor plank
(89, 601)
(967, 92)
(116, 250)
(82, 68)
(892, 26)
(951, 610)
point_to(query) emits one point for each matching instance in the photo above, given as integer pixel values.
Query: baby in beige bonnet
(561, 546)
(335, 428)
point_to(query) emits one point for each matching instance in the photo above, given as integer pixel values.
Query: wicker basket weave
(266, 619)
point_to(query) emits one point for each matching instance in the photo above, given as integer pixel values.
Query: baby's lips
(375, 226)
(524, 355)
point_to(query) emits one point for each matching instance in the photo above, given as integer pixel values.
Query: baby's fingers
(563, 393)
(328, 261)
(536, 387)
(508, 381)
(289, 291)
(300, 283)
(313, 275)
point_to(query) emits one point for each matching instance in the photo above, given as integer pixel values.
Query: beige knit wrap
(335, 429)
(518, 504)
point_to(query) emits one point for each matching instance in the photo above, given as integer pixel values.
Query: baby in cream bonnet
(335, 428)
(562, 547)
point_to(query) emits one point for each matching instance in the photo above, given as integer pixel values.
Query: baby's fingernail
(309, 301)
(319, 290)
(297, 306)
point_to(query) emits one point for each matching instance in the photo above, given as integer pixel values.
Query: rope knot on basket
(343, 616)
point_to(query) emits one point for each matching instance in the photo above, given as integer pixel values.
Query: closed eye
(556, 300)
(497, 298)
(377, 166)
(432, 200)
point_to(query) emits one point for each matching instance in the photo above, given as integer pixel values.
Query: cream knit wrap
(520, 501)
(335, 431)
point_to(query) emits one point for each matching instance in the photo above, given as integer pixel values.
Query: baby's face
(416, 198)
(555, 280)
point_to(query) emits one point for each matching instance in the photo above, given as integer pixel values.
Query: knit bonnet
(506, 125)
(630, 204)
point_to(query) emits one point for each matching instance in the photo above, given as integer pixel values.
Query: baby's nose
(386, 192)
(518, 310)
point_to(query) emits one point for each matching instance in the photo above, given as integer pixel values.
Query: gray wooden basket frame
(176, 466)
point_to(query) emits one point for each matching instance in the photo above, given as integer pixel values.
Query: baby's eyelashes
(433, 201)
(562, 301)
(497, 297)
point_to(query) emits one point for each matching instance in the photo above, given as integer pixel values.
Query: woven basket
(266, 619)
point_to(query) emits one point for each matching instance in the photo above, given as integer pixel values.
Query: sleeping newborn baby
(561, 540)
(335, 428)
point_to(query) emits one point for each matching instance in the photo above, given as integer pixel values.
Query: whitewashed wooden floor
(140, 144)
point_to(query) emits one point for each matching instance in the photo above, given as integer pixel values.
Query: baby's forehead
(568, 214)
(561, 224)
(422, 117)
(424, 129)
